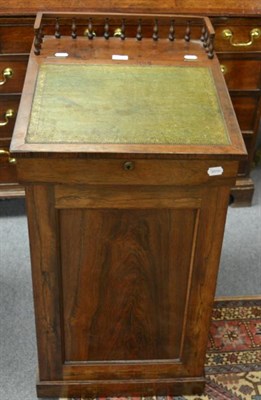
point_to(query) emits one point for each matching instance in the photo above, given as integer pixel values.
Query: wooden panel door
(124, 289)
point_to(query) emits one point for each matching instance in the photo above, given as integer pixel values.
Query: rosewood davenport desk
(127, 146)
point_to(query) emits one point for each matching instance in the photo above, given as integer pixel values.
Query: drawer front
(16, 40)
(246, 108)
(241, 74)
(16, 35)
(12, 73)
(126, 172)
(5, 142)
(8, 110)
(237, 34)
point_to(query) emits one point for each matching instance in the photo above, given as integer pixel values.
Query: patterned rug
(233, 362)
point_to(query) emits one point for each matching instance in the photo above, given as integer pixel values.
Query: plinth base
(105, 388)
(242, 193)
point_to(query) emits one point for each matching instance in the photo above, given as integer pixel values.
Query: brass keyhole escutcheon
(128, 165)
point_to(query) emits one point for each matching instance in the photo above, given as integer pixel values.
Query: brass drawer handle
(7, 73)
(8, 114)
(11, 160)
(254, 34)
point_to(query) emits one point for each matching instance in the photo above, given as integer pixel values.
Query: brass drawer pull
(254, 34)
(11, 160)
(8, 114)
(7, 73)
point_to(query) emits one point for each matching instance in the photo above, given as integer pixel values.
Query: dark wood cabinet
(123, 307)
(126, 219)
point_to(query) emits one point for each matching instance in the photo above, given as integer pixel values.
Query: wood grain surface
(125, 288)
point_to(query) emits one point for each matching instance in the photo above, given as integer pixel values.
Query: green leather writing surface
(75, 103)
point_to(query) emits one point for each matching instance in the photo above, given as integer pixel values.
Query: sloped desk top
(126, 104)
(156, 101)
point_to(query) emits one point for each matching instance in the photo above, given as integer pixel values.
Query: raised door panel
(126, 283)
(131, 279)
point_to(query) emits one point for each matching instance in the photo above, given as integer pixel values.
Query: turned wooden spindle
(203, 31)
(106, 29)
(123, 30)
(74, 29)
(57, 33)
(37, 44)
(90, 33)
(139, 35)
(155, 35)
(210, 48)
(38, 40)
(172, 30)
(188, 32)
(205, 43)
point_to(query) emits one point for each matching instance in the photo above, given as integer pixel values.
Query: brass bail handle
(10, 159)
(8, 114)
(254, 35)
(7, 73)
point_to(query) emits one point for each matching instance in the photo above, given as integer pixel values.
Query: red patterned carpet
(233, 362)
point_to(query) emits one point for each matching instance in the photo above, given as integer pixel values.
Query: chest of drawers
(15, 43)
(238, 47)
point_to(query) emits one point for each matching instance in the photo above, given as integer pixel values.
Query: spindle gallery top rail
(121, 26)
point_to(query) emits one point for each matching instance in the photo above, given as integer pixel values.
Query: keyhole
(128, 165)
